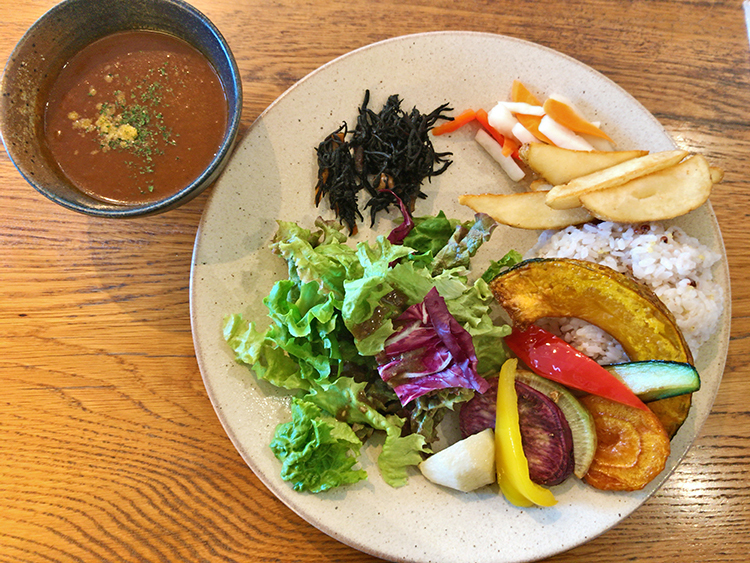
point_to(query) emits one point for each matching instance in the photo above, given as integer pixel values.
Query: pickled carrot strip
(459, 121)
(566, 116)
(483, 120)
(520, 93)
(510, 147)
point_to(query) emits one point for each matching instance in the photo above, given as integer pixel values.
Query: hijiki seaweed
(387, 153)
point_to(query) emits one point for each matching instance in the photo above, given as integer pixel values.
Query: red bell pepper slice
(551, 357)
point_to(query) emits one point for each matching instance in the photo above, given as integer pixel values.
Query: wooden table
(109, 447)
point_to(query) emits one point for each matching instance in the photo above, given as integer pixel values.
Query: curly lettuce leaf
(370, 300)
(266, 359)
(496, 267)
(429, 410)
(431, 233)
(350, 402)
(473, 310)
(399, 453)
(489, 345)
(306, 341)
(306, 325)
(317, 452)
(347, 400)
(322, 256)
(464, 244)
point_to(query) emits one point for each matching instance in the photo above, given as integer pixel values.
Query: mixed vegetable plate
(389, 335)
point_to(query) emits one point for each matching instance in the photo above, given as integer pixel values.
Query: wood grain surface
(109, 447)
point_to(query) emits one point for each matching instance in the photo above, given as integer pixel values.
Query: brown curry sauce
(135, 117)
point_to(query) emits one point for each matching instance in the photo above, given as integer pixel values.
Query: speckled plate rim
(271, 176)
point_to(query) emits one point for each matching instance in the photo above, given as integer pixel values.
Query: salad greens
(382, 337)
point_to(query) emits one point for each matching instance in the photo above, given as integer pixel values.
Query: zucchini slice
(657, 379)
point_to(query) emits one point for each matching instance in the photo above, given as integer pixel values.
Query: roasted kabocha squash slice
(626, 309)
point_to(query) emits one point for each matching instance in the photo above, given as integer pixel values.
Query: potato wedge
(539, 185)
(567, 196)
(717, 174)
(526, 210)
(665, 194)
(559, 166)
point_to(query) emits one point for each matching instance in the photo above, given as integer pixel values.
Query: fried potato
(526, 210)
(539, 185)
(567, 196)
(665, 194)
(717, 174)
(559, 166)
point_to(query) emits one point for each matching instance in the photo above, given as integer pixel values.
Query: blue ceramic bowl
(52, 41)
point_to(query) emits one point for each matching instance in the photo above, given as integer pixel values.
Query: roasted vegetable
(478, 413)
(579, 419)
(546, 437)
(512, 466)
(627, 310)
(465, 465)
(672, 411)
(546, 433)
(657, 379)
(632, 449)
(551, 357)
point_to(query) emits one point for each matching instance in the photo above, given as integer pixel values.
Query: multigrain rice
(676, 266)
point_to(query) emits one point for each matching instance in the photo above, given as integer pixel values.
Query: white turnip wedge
(502, 120)
(523, 135)
(465, 465)
(493, 148)
(562, 136)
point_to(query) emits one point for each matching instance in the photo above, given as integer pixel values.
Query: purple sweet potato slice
(478, 413)
(546, 437)
(545, 433)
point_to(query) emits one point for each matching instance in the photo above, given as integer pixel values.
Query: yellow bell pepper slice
(511, 463)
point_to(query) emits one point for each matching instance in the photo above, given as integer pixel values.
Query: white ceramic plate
(272, 175)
